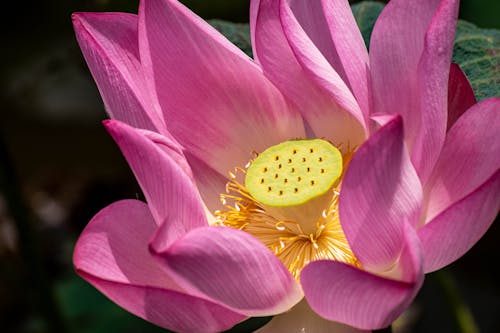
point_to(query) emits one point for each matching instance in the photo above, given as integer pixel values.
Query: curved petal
(331, 27)
(380, 193)
(354, 297)
(361, 299)
(112, 254)
(169, 190)
(233, 268)
(433, 76)
(453, 232)
(396, 44)
(321, 96)
(470, 155)
(110, 47)
(114, 246)
(217, 102)
(209, 182)
(302, 319)
(460, 94)
(410, 53)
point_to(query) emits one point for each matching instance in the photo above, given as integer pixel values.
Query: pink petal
(332, 28)
(343, 293)
(216, 100)
(233, 268)
(291, 60)
(169, 309)
(470, 155)
(301, 318)
(110, 47)
(112, 254)
(396, 45)
(460, 94)
(410, 52)
(433, 76)
(380, 193)
(209, 182)
(453, 232)
(114, 246)
(170, 192)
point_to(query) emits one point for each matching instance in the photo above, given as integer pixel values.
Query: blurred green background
(62, 167)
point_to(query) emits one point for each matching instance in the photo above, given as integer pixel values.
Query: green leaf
(365, 14)
(477, 51)
(237, 33)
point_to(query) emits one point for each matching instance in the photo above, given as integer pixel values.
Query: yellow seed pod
(293, 172)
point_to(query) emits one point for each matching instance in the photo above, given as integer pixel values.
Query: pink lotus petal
(169, 309)
(216, 100)
(361, 299)
(113, 246)
(209, 182)
(452, 233)
(301, 318)
(433, 76)
(170, 192)
(112, 255)
(318, 92)
(460, 94)
(110, 47)
(348, 295)
(333, 30)
(380, 193)
(410, 51)
(234, 269)
(473, 141)
(396, 44)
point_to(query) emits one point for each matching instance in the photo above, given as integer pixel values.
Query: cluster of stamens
(283, 234)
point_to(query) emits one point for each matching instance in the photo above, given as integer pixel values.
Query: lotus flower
(317, 183)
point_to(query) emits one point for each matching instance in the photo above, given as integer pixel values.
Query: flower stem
(461, 311)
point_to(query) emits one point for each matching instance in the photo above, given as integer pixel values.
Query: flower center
(289, 201)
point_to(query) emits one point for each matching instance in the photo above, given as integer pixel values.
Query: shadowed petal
(217, 102)
(433, 77)
(380, 193)
(470, 155)
(110, 47)
(234, 269)
(169, 190)
(452, 233)
(112, 254)
(361, 299)
(302, 319)
(301, 72)
(460, 94)
(331, 27)
(410, 54)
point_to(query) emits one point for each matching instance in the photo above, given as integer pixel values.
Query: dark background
(59, 167)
